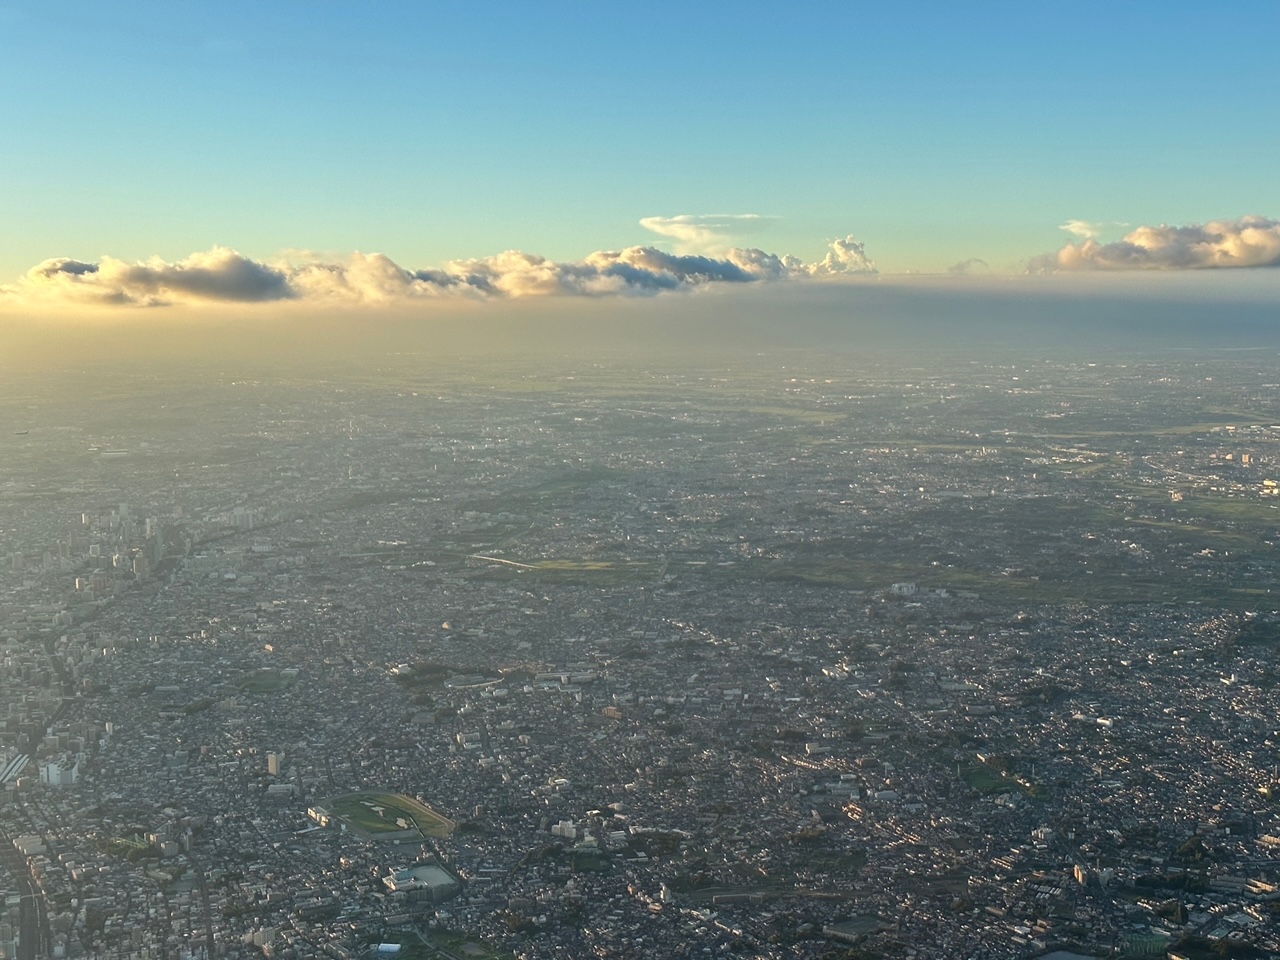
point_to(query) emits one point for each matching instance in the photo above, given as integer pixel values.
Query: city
(798, 655)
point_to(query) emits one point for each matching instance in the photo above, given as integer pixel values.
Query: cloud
(217, 275)
(705, 233)
(970, 266)
(223, 275)
(847, 256)
(1082, 228)
(1251, 241)
(375, 278)
(1088, 229)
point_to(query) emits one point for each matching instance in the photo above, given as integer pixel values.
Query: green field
(390, 816)
(447, 943)
(263, 681)
(594, 572)
(986, 780)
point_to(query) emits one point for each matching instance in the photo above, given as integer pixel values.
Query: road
(33, 920)
(34, 936)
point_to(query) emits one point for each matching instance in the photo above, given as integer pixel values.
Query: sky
(280, 154)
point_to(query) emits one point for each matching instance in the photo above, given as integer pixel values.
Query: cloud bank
(1251, 241)
(222, 275)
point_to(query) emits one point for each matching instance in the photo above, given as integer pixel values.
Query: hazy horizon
(834, 176)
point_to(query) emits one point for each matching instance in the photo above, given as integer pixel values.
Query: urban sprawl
(785, 657)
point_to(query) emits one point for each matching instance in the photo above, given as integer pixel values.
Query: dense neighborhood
(819, 659)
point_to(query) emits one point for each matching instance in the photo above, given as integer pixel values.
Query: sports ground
(389, 816)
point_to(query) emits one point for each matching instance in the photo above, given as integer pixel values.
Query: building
(60, 771)
(427, 881)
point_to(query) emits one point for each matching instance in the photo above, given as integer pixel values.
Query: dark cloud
(216, 275)
(969, 266)
(74, 268)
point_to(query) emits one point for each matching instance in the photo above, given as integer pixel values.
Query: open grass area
(441, 943)
(390, 816)
(982, 778)
(264, 681)
(635, 567)
(594, 572)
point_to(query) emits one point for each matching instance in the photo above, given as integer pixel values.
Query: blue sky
(932, 132)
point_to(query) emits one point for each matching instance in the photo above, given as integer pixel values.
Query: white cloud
(847, 256)
(1251, 241)
(223, 275)
(1082, 228)
(705, 233)
(1088, 229)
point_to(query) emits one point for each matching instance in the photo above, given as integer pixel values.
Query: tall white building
(60, 771)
